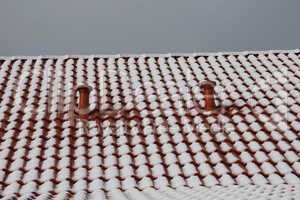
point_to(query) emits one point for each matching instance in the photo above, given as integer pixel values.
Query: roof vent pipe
(83, 108)
(209, 95)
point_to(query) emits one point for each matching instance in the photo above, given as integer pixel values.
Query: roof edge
(151, 54)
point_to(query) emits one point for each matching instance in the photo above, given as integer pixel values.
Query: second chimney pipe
(208, 93)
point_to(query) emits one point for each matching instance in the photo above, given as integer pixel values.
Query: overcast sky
(56, 27)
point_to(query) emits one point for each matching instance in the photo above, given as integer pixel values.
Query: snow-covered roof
(150, 137)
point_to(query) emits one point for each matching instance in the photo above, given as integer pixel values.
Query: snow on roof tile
(149, 130)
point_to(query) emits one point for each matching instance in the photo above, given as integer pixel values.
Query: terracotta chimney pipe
(84, 104)
(208, 92)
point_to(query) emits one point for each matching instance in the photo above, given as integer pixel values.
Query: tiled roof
(236, 192)
(150, 132)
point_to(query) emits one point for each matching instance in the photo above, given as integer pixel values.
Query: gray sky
(35, 27)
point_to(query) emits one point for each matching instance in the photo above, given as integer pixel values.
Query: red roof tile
(147, 127)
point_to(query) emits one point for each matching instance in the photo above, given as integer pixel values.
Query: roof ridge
(152, 54)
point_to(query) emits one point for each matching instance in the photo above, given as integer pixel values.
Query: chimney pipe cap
(208, 83)
(82, 86)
